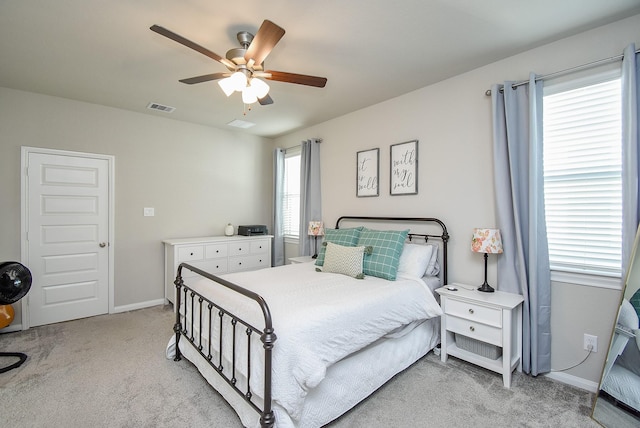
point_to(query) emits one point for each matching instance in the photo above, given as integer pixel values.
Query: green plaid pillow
(344, 237)
(385, 257)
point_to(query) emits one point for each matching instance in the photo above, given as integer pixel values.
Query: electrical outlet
(590, 343)
(149, 212)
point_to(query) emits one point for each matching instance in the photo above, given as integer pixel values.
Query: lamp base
(486, 288)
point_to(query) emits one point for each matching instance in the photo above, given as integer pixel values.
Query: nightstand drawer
(187, 254)
(474, 312)
(475, 330)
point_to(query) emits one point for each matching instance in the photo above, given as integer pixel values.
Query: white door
(67, 236)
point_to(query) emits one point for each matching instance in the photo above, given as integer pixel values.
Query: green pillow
(385, 257)
(635, 301)
(345, 237)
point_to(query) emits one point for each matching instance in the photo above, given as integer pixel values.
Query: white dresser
(214, 254)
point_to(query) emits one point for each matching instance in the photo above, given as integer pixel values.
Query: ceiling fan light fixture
(227, 85)
(259, 87)
(248, 95)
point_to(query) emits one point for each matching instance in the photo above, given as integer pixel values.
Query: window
(583, 177)
(291, 202)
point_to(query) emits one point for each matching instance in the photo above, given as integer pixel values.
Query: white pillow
(627, 316)
(344, 260)
(433, 268)
(414, 259)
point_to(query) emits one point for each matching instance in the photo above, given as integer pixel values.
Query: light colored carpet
(111, 371)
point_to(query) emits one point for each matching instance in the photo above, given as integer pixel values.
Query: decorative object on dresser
(252, 230)
(481, 328)
(316, 228)
(228, 230)
(216, 255)
(487, 241)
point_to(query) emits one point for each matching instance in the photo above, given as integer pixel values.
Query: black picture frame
(404, 168)
(367, 173)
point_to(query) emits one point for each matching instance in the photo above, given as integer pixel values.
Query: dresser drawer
(213, 251)
(187, 254)
(239, 248)
(215, 266)
(237, 264)
(475, 330)
(474, 312)
(259, 247)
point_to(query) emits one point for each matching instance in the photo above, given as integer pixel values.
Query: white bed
(338, 339)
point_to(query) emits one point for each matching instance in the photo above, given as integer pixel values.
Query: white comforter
(320, 318)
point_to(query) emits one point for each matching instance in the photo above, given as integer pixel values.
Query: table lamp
(487, 241)
(316, 228)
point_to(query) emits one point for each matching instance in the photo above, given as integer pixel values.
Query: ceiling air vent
(160, 107)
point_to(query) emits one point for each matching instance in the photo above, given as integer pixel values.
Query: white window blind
(291, 202)
(583, 179)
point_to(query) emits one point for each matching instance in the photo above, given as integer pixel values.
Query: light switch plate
(149, 212)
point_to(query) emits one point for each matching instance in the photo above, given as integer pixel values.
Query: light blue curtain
(630, 160)
(523, 268)
(277, 253)
(310, 192)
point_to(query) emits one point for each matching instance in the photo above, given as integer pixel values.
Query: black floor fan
(15, 281)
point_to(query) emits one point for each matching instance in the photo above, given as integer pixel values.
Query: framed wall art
(368, 168)
(404, 168)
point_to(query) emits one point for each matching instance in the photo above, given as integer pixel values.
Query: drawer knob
(470, 311)
(472, 328)
(191, 254)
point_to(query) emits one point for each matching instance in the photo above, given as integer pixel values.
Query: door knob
(103, 244)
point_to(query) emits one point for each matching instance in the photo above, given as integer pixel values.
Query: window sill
(611, 283)
(291, 240)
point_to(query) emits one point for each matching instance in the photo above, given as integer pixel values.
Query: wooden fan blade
(300, 79)
(204, 78)
(266, 100)
(188, 43)
(265, 39)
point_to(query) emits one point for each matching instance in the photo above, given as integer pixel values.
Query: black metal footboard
(191, 302)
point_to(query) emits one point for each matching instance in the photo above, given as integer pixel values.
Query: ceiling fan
(245, 65)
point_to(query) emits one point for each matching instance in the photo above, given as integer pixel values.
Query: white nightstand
(487, 321)
(301, 259)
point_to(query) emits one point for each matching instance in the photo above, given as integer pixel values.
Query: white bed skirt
(346, 383)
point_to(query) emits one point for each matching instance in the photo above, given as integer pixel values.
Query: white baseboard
(11, 328)
(141, 305)
(576, 381)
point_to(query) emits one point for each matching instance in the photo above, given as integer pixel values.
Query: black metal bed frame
(187, 299)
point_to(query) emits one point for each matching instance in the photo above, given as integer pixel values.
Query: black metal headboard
(444, 236)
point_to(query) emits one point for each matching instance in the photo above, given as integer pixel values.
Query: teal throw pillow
(387, 248)
(345, 237)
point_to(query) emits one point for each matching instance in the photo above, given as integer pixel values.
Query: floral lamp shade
(316, 228)
(486, 241)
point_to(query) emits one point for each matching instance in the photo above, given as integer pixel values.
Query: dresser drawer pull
(472, 328)
(470, 311)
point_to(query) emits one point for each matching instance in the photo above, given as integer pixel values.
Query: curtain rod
(567, 71)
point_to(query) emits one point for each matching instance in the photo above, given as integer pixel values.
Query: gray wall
(452, 121)
(197, 178)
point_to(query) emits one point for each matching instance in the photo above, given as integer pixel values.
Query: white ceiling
(102, 51)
